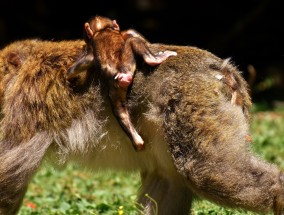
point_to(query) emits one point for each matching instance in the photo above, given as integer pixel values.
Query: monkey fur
(114, 51)
(195, 135)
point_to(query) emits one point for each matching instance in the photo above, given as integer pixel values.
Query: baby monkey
(114, 51)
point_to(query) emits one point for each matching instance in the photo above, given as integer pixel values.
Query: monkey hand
(124, 79)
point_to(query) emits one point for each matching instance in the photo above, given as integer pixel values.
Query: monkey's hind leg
(141, 48)
(161, 195)
(118, 102)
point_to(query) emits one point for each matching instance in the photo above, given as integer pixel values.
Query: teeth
(115, 77)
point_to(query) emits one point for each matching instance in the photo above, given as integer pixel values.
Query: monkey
(114, 51)
(197, 135)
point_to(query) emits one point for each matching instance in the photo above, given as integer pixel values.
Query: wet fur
(195, 137)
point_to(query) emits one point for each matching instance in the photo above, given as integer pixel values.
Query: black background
(249, 32)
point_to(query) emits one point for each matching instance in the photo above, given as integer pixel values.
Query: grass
(74, 191)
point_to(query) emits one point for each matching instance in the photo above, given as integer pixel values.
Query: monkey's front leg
(118, 102)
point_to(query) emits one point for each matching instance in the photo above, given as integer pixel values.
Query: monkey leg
(118, 100)
(217, 161)
(164, 196)
(17, 166)
(140, 47)
(256, 187)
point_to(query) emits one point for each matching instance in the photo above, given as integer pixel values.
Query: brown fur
(196, 138)
(114, 52)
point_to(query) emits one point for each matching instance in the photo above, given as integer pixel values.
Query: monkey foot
(168, 53)
(140, 147)
(138, 143)
(160, 57)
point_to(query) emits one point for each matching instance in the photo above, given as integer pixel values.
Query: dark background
(249, 32)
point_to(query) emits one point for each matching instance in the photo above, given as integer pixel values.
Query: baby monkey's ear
(89, 31)
(115, 25)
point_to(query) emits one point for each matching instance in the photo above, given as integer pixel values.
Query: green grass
(74, 191)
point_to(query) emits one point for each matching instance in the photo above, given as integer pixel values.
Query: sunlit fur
(195, 137)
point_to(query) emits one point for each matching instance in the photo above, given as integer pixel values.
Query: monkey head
(97, 24)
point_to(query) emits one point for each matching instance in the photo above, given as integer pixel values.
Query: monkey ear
(14, 59)
(88, 29)
(115, 25)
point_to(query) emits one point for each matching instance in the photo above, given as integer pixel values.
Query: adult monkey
(195, 136)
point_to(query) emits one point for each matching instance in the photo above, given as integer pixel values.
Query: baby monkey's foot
(138, 143)
(167, 53)
(159, 57)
